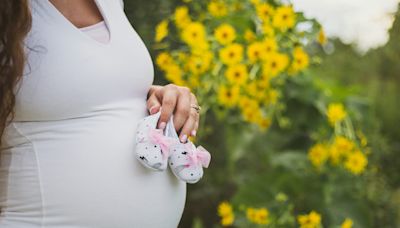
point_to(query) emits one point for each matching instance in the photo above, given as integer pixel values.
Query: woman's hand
(175, 100)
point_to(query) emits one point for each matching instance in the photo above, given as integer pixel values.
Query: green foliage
(250, 168)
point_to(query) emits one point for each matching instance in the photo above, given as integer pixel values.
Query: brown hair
(15, 23)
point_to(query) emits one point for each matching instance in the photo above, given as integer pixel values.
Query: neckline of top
(77, 30)
(93, 26)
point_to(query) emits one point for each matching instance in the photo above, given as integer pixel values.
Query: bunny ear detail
(204, 156)
(198, 156)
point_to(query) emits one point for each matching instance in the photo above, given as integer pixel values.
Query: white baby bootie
(152, 146)
(185, 160)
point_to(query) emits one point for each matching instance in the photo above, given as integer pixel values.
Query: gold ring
(196, 107)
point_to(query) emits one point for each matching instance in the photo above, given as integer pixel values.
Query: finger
(189, 126)
(169, 96)
(194, 101)
(196, 127)
(153, 105)
(182, 110)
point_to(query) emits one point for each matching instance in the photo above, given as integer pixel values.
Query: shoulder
(113, 3)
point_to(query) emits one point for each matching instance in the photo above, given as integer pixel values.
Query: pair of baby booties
(156, 149)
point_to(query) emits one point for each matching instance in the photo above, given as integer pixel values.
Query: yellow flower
(251, 115)
(300, 60)
(260, 90)
(264, 11)
(250, 213)
(194, 33)
(174, 74)
(255, 2)
(228, 220)
(275, 63)
(225, 34)
(181, 12)
(344, 144)
(335, 155)
(164, 60)
(348, 223)
(256, 89)
(322, 37)
(270, 45)
(262, 216)
(224, 209)
(161, 31)
(264, 123)
(237, 6)
(311, 220)
(228, 96)
(194, 81)
(255, 51)
(318, 154)
(217, 8)
(272, 96)
(247, 102)
(363, 139)
(231, 54)
(336, 113)
(258, 215)
(339, 148)
(314, 217)
(268, 30)
(198, 64)
(249, 35)
(181, 16)
(199, 47)
(284, 18)
(237, 74)
(356, 162)
(264, 81)
(182, 56)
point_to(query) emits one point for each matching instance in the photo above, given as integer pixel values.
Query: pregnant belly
(83, 173)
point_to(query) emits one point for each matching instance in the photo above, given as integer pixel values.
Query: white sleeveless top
(68, 157)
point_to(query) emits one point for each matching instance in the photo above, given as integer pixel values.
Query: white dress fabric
(68, 157)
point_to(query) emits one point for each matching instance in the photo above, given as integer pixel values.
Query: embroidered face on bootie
(152, 147)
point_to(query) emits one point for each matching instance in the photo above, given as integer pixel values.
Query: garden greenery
(241, 58)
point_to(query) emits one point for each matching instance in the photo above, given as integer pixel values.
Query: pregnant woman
(75, 79)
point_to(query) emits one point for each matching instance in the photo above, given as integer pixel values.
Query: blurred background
(325, 150)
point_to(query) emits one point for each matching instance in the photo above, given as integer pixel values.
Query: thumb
(153, 105)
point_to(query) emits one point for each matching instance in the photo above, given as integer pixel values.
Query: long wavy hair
(15, 23)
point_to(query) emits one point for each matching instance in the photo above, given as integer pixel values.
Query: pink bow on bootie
(198, 156)
(156, 136)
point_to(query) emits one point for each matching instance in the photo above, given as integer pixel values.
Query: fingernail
(162, 125)
(152, 109)
(194, 132)
(183, 138)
